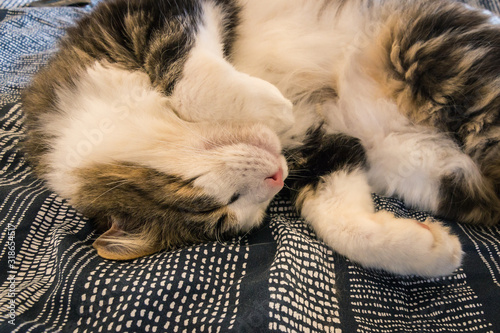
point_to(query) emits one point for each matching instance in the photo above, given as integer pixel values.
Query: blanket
(278, 278)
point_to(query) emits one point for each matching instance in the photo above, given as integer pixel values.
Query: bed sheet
(278, 278)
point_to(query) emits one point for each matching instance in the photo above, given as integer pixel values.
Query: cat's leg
(424, 167)
(212, 89)
(328, 174)
(207, 87)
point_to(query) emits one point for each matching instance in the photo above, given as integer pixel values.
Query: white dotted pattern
(385, 304)
(302, 279)
(193, 290)
(486, 243)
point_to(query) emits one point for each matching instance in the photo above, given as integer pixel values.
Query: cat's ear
(117, 244)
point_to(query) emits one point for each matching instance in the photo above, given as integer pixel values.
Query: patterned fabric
(279, 278)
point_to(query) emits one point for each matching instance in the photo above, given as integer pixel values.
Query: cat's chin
(250, 208)
(249, 217)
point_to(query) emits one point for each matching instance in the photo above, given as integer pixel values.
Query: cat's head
(204, 182)
(117, 149)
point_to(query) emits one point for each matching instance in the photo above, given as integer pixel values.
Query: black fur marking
(155, 36)
(322, 154)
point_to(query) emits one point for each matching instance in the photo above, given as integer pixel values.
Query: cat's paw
(408, 247)
(444, 246)
(265, 103)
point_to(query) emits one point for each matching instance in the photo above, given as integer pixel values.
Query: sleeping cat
(168, 122)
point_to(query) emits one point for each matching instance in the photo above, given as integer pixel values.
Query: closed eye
(235, 197)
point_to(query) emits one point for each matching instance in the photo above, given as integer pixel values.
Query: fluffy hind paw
(409, 247)
(400, 246)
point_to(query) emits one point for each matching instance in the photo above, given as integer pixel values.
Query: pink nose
(276, 180)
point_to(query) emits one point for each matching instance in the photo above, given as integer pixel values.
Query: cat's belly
(298, 48)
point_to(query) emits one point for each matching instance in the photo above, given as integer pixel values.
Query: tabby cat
(171, 122)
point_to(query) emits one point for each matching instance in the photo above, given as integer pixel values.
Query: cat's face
(151, 180)
(210, 181)
(217, 183)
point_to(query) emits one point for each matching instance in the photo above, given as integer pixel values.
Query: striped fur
(441, 66)
(130, 201)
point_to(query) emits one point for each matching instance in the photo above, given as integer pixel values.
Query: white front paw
(265, 103)
(281, 118)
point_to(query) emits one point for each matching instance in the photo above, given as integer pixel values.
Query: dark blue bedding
(278, 278)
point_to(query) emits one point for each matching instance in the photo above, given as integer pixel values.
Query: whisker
(120, 183)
